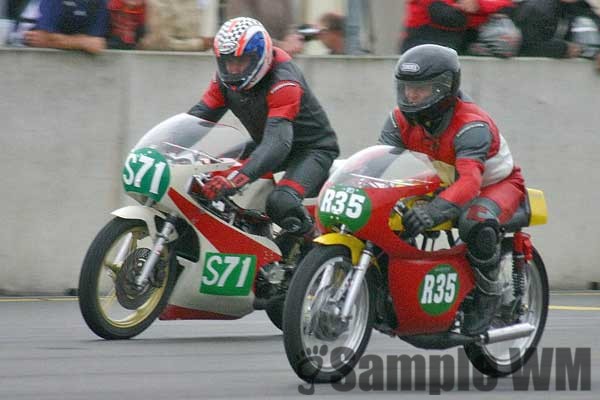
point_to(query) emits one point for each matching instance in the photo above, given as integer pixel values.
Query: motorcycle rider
(268, 93)
(434, 117)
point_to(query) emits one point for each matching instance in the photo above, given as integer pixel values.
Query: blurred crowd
(497, 28)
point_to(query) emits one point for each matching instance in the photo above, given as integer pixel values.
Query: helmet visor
(416, 95)
(236, 70)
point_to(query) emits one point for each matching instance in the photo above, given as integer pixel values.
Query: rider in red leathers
(268, 93)
(435, 118)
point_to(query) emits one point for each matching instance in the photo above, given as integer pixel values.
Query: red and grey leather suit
(486, 186)
(290, 128)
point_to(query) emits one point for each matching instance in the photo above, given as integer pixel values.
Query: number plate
(438, 289)
(344, 205)
(146, 171)
(228, 274)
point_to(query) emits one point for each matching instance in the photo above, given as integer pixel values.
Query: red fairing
(172, 312)
(224, 237)
(405, 278)
(377, 229)
(284, 99)
(213, 97)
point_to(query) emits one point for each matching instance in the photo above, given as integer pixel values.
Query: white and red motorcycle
(177, 255)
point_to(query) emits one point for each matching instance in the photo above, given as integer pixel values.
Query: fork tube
(159, 244)
(123, 250)
(357, 279)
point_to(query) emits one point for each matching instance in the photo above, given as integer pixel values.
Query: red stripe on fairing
(293, 184)
(224, 237)
(172, 312)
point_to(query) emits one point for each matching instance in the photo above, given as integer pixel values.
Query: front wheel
(504, 358)
(111, 305)
(319, 345)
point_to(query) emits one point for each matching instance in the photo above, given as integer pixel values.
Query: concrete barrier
(69, 119)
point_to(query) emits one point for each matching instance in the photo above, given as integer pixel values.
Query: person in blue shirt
(71, 24)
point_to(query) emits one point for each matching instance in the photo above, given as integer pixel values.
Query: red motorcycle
(365, 273)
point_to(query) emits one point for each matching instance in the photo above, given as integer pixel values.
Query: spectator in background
(175, 25)
(330, 31)
(332, 28)
(126, 23)
(457, 23)
(539, 21)
(25, 15)
(276, 16)
(14, 8)
(583, 19)
(70, 25)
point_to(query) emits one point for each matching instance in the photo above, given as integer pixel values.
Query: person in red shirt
(127, 19)
(457, 24)
(433, 117)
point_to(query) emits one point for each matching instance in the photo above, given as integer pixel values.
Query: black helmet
(427, 78)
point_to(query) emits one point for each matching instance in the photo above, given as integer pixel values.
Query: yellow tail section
(537, 203)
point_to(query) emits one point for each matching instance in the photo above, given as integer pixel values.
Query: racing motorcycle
(177, 255)
(366, 273)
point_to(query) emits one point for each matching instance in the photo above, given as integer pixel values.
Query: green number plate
(228, 274)
(146, 171)
(344, 205)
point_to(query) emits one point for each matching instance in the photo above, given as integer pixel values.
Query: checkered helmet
(244, 52)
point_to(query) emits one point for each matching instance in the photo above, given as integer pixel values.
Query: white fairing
(187, 289)
(146, 214)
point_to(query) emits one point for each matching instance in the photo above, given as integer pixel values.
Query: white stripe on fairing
(499, 166)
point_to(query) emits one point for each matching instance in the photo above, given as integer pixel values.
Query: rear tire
(100, 304)
(275, 313)
(316, 356)
(498, 359)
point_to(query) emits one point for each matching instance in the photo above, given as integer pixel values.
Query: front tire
(318, 348)
(108, 304)
(503, 358)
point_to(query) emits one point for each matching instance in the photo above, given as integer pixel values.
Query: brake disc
(129, 294)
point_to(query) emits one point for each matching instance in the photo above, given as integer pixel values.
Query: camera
(308, 32)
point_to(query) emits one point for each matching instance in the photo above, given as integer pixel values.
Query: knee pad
(284, 207)
(479, 229)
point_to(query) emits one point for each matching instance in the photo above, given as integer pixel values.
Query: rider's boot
(298, 230)
(487, 294)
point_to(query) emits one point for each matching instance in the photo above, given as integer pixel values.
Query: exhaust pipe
(507, 333)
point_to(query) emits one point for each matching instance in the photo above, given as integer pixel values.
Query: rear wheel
(111, 305)
(503, 358)
(319, 345)
(275, 313)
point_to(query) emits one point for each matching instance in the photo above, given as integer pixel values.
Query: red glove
(219, 186)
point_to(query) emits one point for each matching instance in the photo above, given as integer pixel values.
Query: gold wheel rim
(108, 301)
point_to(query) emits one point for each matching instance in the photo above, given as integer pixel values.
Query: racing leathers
(291, 131)
(484, 190)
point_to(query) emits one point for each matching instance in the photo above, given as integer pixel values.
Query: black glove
(419, 219)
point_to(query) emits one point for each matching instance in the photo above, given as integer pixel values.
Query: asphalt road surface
(47, 352)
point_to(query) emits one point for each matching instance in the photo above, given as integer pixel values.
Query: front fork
(356, 276)
(162, 238)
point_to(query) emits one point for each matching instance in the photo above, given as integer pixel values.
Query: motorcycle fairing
(216, 236)
(418, 311)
